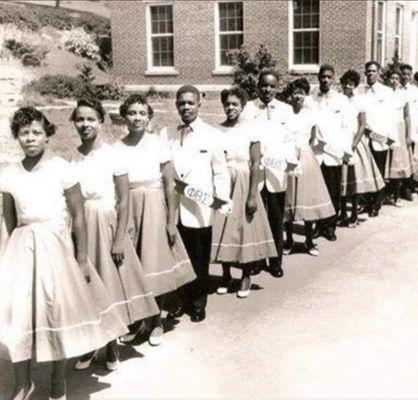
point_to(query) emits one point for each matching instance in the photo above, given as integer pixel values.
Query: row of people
(150, 212)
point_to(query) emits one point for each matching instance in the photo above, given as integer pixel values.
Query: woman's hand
(171, 233)
(251, 206)
(117, 252)
(85, 270)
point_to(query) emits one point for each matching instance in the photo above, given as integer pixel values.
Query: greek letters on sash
(279, 164)
(198, 195)
(380, 138)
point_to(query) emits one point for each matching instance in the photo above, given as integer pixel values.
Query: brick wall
(346, 37)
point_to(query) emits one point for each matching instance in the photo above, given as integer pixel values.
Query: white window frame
(383, 31)
(223, 69)
(399, 35)
(303, 68)
(151, 69)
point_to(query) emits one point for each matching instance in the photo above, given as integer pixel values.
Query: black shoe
(276, 270)
(177, 312)
(330, 235)
(317, 233)
(344, 223)
(198, 315)
(408, 196)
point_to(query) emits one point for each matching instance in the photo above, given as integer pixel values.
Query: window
(381, 32)
(304, 35)
(160, 37)
(398, 30)
(229, 35)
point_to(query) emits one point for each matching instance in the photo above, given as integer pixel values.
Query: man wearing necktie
(199, 161)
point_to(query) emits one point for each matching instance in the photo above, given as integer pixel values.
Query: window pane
(379, 48)
(162, 50)
(398, 20)
(306, 47)
(227, 43)
(305, 14)
(162, 19)
(230, 16)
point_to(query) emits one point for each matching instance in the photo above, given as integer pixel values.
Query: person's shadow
(80, 384)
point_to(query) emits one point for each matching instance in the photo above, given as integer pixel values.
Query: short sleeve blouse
(95, 173)
(143, 161)
(237, 141)
(39, 195)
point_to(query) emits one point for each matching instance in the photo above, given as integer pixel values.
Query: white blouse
(302, 124)
(143, 161)
(39, 194)
(95, 172)
(237, 142)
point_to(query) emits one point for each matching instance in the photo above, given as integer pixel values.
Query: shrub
(34, 17)
(27, 54)
(247, 67)
(70, 87)
(81, 43)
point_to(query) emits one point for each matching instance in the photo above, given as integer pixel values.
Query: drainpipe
(373, 52)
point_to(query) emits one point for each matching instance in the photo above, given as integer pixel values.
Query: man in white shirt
(199, 161)
(408, 186)
(272, 119)
(378, 98)
(331, 107)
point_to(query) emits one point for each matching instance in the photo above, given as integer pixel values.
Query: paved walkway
(344, 325)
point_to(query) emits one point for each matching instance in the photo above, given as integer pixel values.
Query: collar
(194, 125)
(263, 106)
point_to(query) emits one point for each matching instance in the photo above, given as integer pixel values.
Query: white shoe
(81, 365)
(130, 337)
(243, 293)
(112, 365)
(288, 250)
(155, 337)
(313, 251)
(222, 290)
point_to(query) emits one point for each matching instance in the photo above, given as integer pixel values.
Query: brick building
(165, 43)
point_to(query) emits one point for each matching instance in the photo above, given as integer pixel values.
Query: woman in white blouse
(53, 305)
(243, 237)
(105, 189)
(152, 225)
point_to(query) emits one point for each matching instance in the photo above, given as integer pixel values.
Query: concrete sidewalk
(344, 325)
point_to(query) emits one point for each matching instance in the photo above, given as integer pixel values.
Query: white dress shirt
(378, 112)
(274, 124)
(412, 98)
(331, 108)
(199, 160)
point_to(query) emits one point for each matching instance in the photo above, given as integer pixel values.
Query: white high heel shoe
(81, 365)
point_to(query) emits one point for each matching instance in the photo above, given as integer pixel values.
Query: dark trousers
(198, 243)
(332, 178)
(274, 204)
(376, 199)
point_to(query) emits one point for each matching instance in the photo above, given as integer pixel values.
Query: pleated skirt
(307, 196)
(126, 284)
(238, 238)
(166, 268)
(46, 305)
(364, 176)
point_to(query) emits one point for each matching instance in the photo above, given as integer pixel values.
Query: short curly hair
(132, 99)
(300, 83)
(25, 116)
(90, 102)
(241, 94)
(350, 76)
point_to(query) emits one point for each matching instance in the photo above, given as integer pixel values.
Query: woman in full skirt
(243, 238)
(53, 305)
(105, 189)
